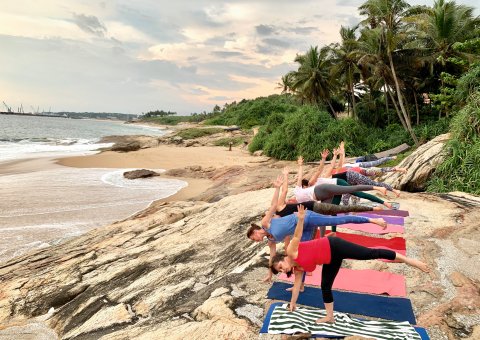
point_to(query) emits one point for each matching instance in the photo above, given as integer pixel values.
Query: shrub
(197, 132)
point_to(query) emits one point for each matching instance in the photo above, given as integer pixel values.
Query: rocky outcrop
(186, 270)
(420, 166)
(141, 173)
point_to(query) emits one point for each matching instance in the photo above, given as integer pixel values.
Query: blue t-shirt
(285, 226)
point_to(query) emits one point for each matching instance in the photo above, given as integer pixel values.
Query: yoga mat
(389, 219)
(363, 281)
(394, 243)
(373, 228)
(400, 213)
(390, 308)
(266, 324)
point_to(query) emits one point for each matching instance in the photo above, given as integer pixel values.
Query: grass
(226, 141)
(197, 132)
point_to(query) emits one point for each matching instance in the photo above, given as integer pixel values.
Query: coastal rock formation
(420, 165)
(186, 270)
(142, 173)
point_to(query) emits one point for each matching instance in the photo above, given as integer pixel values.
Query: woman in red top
(329, 252)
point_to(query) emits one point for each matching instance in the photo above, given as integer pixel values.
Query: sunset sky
(135, 56)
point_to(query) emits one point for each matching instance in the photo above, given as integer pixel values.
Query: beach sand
(166, 157)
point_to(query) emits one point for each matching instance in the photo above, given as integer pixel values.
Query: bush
(461, 168)
(197, 132)
(226, 141)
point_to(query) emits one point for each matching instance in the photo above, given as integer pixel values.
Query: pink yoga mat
(364, 281)
(373, 228)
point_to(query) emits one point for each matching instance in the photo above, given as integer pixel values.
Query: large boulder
(142, 173)
(126, 147)
(420, 165)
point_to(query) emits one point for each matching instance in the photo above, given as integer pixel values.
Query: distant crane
(9, 109)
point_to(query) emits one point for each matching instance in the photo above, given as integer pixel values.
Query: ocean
(44, 204)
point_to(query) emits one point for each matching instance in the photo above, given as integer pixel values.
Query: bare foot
(380, 221)
(325, 320)
(302, 288)
(382, 190)
(396, 192)
(377, 208)
(402, 170)
(418, 264)
(388, 205)
(309, 273)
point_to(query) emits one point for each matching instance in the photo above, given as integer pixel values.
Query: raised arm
(319, 171)
(292, 249)
(329, 171)
(283, 196)
(300, 171)
(273, 205)
(342, 154)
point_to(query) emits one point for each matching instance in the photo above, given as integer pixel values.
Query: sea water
(47, 205)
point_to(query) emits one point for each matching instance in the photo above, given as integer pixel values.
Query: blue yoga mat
(422, 331)
(390, 308)
(389, 219)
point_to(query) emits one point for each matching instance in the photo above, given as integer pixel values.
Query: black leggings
(325, 192)
(340, 250)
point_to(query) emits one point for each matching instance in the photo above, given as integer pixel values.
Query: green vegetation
(198, 132)
(226, 141)
(461, 169)
(168, 120)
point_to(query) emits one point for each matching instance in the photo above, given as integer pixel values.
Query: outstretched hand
(292, 306)
(300, 160)
(268, 278)
(342, 146)
(336, 151)
(278, 182)
(286, 171)
(325, 153)
(301, 211)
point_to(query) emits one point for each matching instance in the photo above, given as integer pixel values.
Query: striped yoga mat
(379, 306)
(281, 321)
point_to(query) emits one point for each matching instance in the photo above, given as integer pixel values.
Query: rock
(190, 142)
(420, 165)
(107, 317)
(176, 140)
(142, 173)
(126, 147)
(258, 153)
(252, 313)
(219, 291)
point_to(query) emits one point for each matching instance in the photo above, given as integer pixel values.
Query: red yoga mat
(394, 243)
(364, 281)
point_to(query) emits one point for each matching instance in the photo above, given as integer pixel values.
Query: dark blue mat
(422, 331)
(390, 308)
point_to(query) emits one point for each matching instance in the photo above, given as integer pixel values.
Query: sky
(134, 56)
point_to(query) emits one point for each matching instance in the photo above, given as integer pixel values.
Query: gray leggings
(325, 192)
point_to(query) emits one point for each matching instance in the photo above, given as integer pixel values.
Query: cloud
(226, 54)
(265, 29)
(276, 42)
(90, 24)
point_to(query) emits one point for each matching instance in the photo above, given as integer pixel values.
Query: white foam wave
(171, 186)
(51, 148)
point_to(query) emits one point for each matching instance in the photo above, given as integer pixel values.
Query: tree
(313, 81)
(345, 62)
(387, 15)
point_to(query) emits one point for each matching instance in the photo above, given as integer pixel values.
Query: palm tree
(387, 15)
(313, 80)
(345, 62)
(286, 82)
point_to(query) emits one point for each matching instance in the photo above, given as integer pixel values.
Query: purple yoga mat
(389, 219)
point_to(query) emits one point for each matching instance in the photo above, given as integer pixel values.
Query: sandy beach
(166, 157)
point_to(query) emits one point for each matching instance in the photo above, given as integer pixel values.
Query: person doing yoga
(284, 209)
(327, 190)
(329, 252)
(276, 229)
